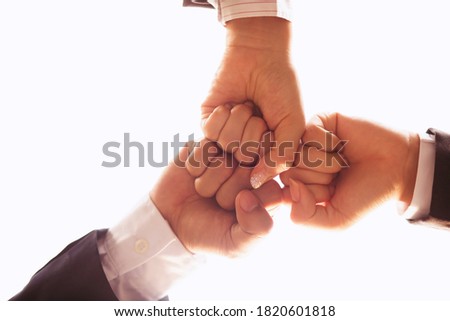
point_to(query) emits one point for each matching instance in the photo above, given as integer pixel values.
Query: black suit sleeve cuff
(440, 200)
(75, 274)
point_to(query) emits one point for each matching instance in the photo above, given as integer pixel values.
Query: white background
(77, 74)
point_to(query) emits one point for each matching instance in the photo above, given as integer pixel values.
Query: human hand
(217, 173)
(315, 169)
(227, 125)
(382, 165)
(201, 224)
(238, 130)
(256, 67)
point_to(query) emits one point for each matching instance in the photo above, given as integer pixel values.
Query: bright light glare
(74, 75)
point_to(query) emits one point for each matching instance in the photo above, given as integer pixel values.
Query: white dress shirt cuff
(235, 9)
(421, 201)
(142, 257)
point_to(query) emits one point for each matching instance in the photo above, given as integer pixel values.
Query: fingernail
(257, 180)
(294, 189)
(249, 103)
(249, 202)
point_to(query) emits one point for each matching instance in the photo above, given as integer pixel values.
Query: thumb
(252, 217)
(281, 152)
(253, 222)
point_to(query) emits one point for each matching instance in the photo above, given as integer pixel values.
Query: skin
(382, 166)
(237, 131)
(201, 224)
(256, 67)
(225, 184)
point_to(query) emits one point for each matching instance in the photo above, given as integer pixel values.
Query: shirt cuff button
(140, 246)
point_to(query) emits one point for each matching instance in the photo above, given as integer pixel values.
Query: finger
(303, 203)
(239, 180)
(253, 219)
(318, 160)
(248, 152)
(307, 211)
(182, 157)
(267, 143)
(321, 193)
(201, 156)
(251, 213)
(218, 171)
(306, 176)
(282, 156)
(214, 124)
(320, 132)
(231, 134)
(270, 194)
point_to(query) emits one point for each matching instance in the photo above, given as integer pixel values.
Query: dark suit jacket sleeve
(440, 200)
(74, 274)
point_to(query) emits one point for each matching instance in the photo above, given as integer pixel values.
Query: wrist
(161, 203)
(410, 169)
(259, 33)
